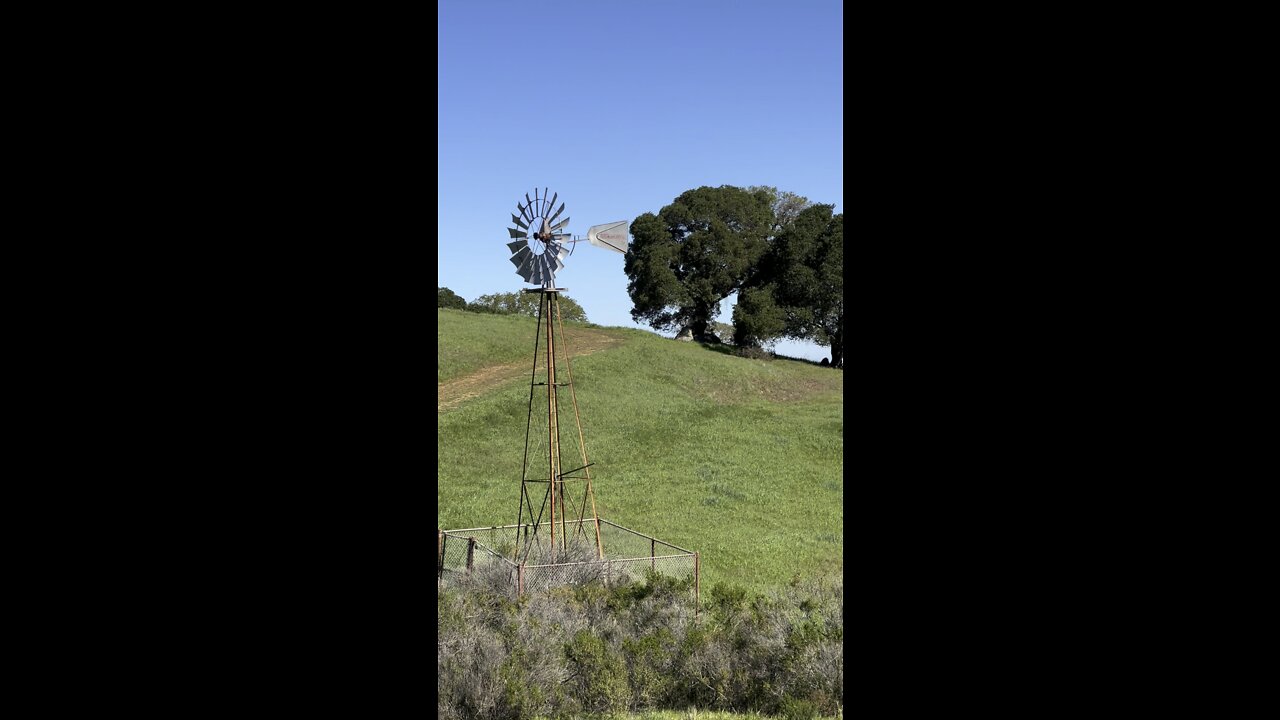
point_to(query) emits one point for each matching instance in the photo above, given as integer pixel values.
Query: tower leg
(550, 324)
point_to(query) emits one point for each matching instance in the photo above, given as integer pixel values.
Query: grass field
(467, 342)
(739, 459)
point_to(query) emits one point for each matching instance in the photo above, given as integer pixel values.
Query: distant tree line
(509, 303)
(782, 254)
(447, 298)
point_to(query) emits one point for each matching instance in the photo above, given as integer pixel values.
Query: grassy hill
(739, 459)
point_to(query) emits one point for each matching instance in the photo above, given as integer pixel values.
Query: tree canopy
(696, 252)
(446, 298)
(520, 303)
(798, 290)
(785, 205)
(782, 254)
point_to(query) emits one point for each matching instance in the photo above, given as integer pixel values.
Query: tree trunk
(837, 345)
(699, 328)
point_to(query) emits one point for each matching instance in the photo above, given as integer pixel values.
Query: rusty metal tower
(538, 249)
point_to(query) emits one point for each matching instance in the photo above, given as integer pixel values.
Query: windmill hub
(539, 242)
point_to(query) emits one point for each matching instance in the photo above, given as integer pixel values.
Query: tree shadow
(733, 351)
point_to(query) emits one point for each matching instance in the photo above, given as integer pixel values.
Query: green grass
(466, 341)
(739, 459)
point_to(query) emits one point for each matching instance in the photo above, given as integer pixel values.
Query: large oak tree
(696, 252)
(798, 289)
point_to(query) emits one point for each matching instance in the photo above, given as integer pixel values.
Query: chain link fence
(521, 558)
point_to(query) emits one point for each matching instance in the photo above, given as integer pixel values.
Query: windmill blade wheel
(537, 242)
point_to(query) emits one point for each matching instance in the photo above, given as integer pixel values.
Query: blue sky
(620, 106)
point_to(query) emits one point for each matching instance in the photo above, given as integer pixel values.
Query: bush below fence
(638, 645)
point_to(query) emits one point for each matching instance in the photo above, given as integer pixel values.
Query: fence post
(653, 564)
(520, 580)
(697, 590)
(440, 562)
(471, 549)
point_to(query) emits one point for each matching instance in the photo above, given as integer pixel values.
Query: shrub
(754, 353)
(630, 646)
(798, 709)
(597, 673)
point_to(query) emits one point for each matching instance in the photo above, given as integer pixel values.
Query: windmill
(539, 245)
(559, 507)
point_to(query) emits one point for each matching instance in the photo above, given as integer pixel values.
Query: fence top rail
(646, 558)
(514, 527)
(567, 522)
(649, 537)
(478, 529)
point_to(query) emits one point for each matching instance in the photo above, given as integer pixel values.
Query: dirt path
(451, 394)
